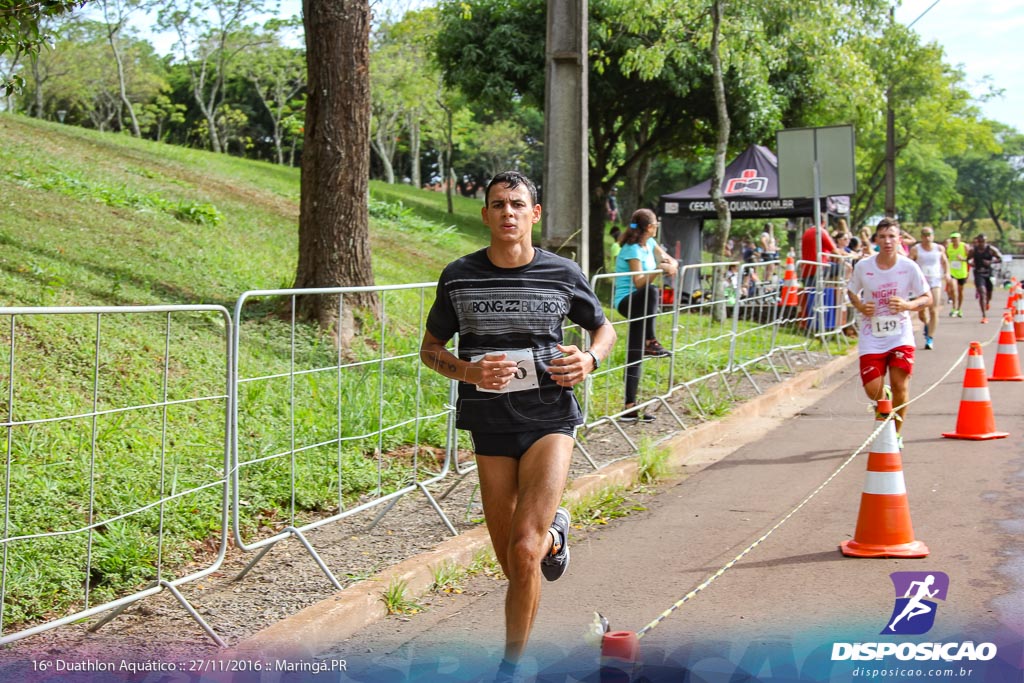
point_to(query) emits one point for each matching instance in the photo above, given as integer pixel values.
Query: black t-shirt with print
(496, 309)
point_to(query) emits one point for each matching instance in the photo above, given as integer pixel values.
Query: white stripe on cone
(976, 395)
(885, 442)
(975, 362)
(885, 483)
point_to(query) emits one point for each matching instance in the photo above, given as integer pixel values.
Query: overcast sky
(985, 38)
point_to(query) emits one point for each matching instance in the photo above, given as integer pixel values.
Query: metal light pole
(565, 222)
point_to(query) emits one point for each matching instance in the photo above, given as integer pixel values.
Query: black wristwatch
(597, 361)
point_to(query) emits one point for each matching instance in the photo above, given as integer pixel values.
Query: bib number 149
(885, 326)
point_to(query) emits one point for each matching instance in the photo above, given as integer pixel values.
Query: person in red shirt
(808, 247)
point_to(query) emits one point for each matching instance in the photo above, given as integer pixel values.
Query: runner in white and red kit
(884, 289)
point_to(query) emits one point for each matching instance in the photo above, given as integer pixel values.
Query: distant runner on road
(956, 253)
(931, 258)
(982, 256)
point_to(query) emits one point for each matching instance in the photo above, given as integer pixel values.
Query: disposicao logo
(914, 614)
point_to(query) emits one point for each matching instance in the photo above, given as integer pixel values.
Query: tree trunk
(112, 36)
(414, 149)
(381, 146)
(449, 148)
(38, 78)
(994, 215)
(334, 234)
(721, 145)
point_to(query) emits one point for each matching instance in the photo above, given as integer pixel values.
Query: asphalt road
(781, 504)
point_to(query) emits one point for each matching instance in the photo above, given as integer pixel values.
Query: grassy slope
(90, 219)
(80, 225)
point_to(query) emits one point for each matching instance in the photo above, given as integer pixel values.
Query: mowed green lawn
(97, 219)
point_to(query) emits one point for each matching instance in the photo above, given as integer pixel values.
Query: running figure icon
(915, 606)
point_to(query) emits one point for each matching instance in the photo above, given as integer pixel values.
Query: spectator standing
(508, 303)
(956, 254)
(613, 206)
(931, 259)
(885, 289)
(867, 241)
(636, 299)
(749, 251)
(808, 251)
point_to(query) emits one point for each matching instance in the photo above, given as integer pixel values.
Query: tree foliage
(651, 86)
(23, 30)
(990, 177)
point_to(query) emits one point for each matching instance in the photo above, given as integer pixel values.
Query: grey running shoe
(553, 566)
(636, 416)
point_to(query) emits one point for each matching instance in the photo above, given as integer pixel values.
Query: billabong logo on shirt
(509, 306)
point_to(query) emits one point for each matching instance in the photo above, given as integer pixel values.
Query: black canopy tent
(751, 185)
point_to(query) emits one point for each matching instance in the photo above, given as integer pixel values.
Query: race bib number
(526, 371)
(885, 326)
(933, 271)
(955, 265)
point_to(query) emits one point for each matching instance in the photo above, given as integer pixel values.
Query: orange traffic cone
(883, 524)
(975, 420)
(1018, 318)
(1007, 365)
(789, 285)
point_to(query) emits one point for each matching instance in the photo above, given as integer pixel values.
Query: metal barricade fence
(755, 300)
(101, 494)
(826, 302)
(723, 318)
(702, 331)
(609, 380)
(302, 445)
(694, 323)
(313, 431)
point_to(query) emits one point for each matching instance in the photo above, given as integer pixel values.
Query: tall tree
(724, 125)
(278, 74)
(115, 15)
(334, 235)
(651, 82)
(76, 76)
(990, 178)
(404, 81)
(211, 35)
(934, 119)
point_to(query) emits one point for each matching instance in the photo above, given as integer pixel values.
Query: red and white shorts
(876, 365)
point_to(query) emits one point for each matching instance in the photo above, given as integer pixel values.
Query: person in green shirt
(956, 252)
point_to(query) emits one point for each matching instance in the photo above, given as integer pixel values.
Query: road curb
(321, 626)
